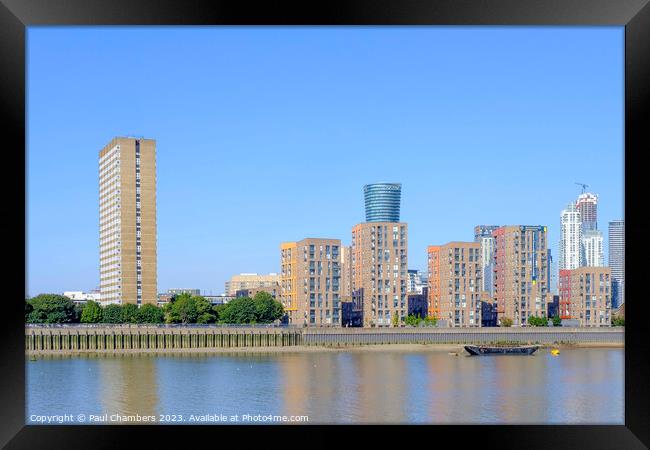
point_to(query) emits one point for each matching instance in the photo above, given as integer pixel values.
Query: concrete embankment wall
(145, 338)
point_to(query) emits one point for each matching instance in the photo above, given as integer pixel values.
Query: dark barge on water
(477, 350)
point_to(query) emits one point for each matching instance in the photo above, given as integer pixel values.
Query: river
(580, 386)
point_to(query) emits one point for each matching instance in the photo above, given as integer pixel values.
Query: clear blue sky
(268, 134)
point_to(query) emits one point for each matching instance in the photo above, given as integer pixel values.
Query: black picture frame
(634, 15)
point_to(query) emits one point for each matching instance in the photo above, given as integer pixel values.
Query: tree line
(182, 308)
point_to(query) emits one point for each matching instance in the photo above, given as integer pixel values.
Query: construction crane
(584, 186)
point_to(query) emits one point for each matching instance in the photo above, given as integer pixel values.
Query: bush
(506, 322)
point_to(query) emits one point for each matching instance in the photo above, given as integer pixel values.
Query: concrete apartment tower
(310, 281)
(455, 285)
(380, 257)
(127, 221)
(570, 237)
(617, 261)
(521, 285)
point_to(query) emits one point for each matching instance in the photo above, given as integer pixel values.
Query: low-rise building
(250, 281)
(81, 297)
(193, 292)
(251, 292)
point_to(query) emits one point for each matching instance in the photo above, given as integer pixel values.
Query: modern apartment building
(587, 205)
(310, 281)
(379, 271)
(455, 284)
(585, 295)
(617, 261)
(250, 281)
(570, 237)
(592, 249)
(127, 221)
(521, 285)
(382, 202)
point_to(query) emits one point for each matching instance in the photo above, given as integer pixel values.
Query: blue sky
(268, 134)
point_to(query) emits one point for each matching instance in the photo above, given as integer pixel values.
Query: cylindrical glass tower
(382, 202)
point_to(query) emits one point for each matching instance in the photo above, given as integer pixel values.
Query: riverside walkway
(100, 338)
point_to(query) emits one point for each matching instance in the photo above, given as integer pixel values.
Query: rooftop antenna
(584, 186)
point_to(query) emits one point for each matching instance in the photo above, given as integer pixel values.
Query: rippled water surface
(579, 386)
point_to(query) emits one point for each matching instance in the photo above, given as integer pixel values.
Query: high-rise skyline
(617, 260)
(127, 221)
(570, 237)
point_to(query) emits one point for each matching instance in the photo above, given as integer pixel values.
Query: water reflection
(579, 386)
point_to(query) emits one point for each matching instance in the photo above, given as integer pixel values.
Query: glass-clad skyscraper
(382, 202)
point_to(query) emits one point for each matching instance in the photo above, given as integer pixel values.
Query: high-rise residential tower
(617, 261)
(455, 283)
(570, 237)
(587, 205)
(521, 285)
(310, 281)
(127, 221)
(380, 258)
(382, 202)
(592, 249)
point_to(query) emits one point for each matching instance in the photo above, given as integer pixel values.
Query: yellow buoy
(555, 352)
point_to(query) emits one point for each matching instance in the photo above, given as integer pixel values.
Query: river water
(580, 386)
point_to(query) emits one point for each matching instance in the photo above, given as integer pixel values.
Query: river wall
(145, 338)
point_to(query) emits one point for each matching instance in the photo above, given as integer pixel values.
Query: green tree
(618, 321)
(395, 320)
(557, 321)
(267, 309)
(150, 313)
(51, 308)
(217, 311)
(181, 308)
(238, 311)
(130, 313)
(506, 322)
(205, 313)
(28, 309)
(112, 314)
(91, 312)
